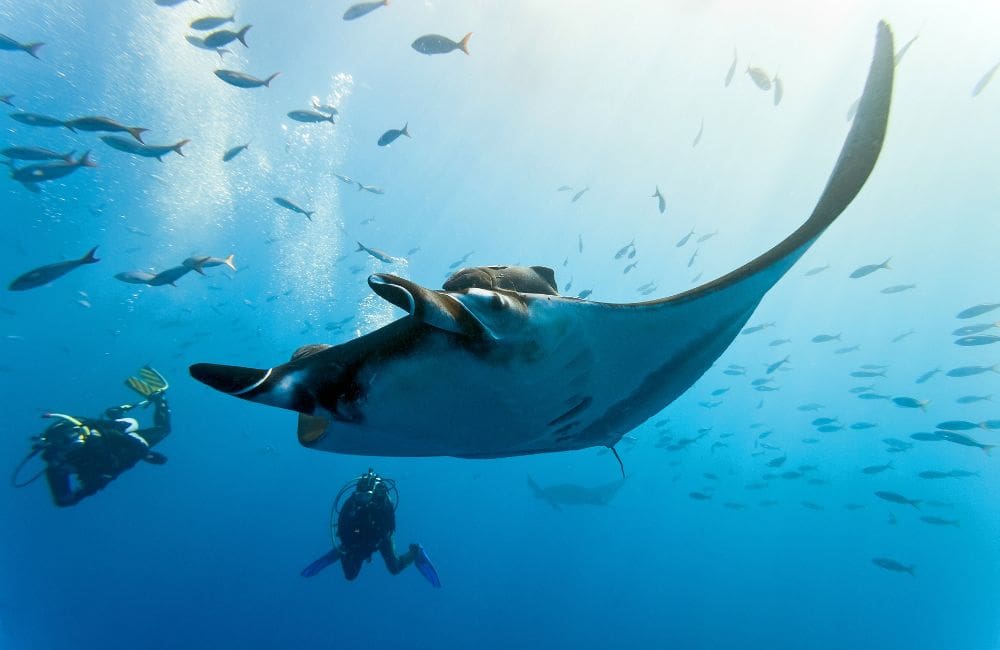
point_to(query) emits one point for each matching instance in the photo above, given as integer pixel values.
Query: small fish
(9, 44)
(346, 179)
(986, 78)
(961, 473)
(45, 274)
(974, 329)
(719, 391)
(972, 399)
(868, 269)
(868, 373)
(199, 262)
(902, 336)
(382, 256)
(812, 506)
(853, 506)
(830, 428)
(363, 9)
(971, 312)
(910, 403)
(310, 117)
(661, 202)
(41, 172)
(579, 243)
(144, 150)
(684, 240)
(896, 443)
(760, 78)
(697, 139)
(390, 136)
(224, 37)
(103, 124)
(6, 99)
(170, 276)
(568, 285)
(923, 436)
(969, 371)
(199, 42)
(437, 44)
(938, 521)
(848, 349)
(35, 153)
(861, 426)
(577, 196)
(958, 425)
(933, 474)
(707, 236)
(241, 80)
(564, 188)
(625, 249)
(810, 441)
(960, 439)
(734, 372)
(824, 338)
(370, 188)
(235, 151)
(927, 375)
(877, 469)
(700, 496)
(211, 22)
(811, 406)
(583, 295)
(777, 364)
(324, 108)
(776, 342)
(818, 422)
(897, 498)
(893, 565)
(980, 339)
(756, 328)
(694, 255)
(732, 70)
(816, 270)
(630, 267)
(777, 462)
(871, 396)
(898, 288)
(779, 89)
(288, 205)
(34, 119)
(791, 475)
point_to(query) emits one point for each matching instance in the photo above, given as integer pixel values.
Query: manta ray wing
(490, 373)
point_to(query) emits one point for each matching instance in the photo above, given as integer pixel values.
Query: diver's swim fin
(321, 563)
(149, 382)
(423, 564)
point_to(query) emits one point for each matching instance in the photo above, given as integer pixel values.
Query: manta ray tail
(621, 465)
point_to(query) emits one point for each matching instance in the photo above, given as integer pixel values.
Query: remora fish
(521, 373)
(437, 44)
(45, 274)
(157, 151)
(363, 9)
(35, 153)
(310, 117)
(241, 80)
(382, 256)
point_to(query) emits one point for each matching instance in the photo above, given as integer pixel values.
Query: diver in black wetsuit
(82, 455)
(366, 521)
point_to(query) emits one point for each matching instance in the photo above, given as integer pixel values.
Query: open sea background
(205, 551)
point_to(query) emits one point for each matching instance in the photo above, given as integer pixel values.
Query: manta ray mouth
(234, 380)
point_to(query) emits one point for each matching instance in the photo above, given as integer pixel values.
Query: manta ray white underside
(491, 372)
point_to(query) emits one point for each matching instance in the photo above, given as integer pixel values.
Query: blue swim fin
(321, 563)
(423, 564)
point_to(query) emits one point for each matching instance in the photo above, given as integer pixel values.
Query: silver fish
(576, 197)
(697, 137)
(437, 44)
(390, 136)
(815, 270)
(625, 249)
(986, 78)
(211, 22)
(241, 80)
(310, 117)
(869, 269)
(199, 262)
(731, 72)
(971, 312)
(34, 119)
(381, 256)
(981, 339)
(969, 371)
(893, 565)
(9, 44)
(759, 77)
(897, 498)
(877, 469)
(224, 37)
(927, 375)
(363, 9)
(899, 288)
(779, 89)
(370, 188)
(157, 151)
(288, 205)
(35, 153)
(103, 124)
(235, 151)
(684, 240)
(661, 202)
(46, 274)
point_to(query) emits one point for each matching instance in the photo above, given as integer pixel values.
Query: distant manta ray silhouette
(498, 364)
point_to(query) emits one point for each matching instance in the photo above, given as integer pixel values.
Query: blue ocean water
(206, 550)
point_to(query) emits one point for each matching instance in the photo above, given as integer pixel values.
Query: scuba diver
(82, 455)
(364, 523)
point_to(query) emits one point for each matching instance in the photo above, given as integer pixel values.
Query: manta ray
(498, 364)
